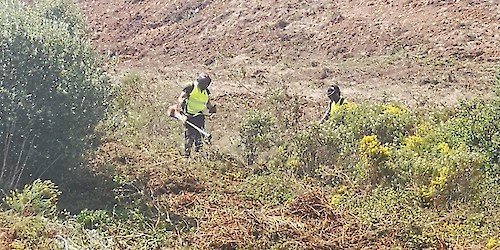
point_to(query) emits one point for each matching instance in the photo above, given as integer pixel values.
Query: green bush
(93, 219)
(255, 133)
(62, 11)
(335, 143)
(30, 220)
(309, 149)
(32, 232)
(52, 91)
(39, 198)
(440, 177)
(269, 188)
(389, 122)
(475, 126)
(287, 109)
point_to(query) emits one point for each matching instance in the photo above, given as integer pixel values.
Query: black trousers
(193, 136)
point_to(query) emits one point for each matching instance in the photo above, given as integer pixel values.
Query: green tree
(52, 92)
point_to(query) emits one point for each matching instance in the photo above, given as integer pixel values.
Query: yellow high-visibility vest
(336, 106)
(197, 101)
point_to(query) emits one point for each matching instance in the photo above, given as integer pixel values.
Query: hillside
(420, 52)
(402, 164)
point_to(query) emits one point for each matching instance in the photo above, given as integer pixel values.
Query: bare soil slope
(294, 30)
(408, 50)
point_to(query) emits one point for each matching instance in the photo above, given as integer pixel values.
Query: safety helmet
(203, 80)
(332, 90)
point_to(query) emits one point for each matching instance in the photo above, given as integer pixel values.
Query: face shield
(333, 93)
(203, 81)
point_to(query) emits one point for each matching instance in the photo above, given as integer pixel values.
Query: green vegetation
(417, 182)
(255, 132)
(373, 176)
(52, 91)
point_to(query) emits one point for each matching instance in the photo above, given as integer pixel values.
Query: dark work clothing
(191, 135)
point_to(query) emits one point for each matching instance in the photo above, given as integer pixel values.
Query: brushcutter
(173, 111)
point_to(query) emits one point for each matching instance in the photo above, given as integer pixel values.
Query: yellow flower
(342, 189)
(440, 181)
(235, 176)
(393, 109)
(293, 163)
(336, 200)
(423, 129)
(436, 185)
(368, 143)
(349, 106)
(492, 243)
(372, 148)
(413, 142)
(443, 148)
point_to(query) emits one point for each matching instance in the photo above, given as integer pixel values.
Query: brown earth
(418, 52)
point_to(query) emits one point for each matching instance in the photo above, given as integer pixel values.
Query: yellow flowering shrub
(371, 148)
(293, 163)
(443, 148)
(437, 185)
(423, 129)
(394, 109)
(339, 197)
(349, 106)
(413, 142)
(492, 244)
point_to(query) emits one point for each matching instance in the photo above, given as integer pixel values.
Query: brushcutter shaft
(173, 111)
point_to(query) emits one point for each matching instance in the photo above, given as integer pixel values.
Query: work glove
(182, 118)
(212, 109)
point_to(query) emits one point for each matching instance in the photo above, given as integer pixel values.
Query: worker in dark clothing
(193, 101)
(336, 100)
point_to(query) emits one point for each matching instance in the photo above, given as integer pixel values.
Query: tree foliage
(52, 92)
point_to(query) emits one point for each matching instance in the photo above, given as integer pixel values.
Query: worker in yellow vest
(193, 101)
(336, 100)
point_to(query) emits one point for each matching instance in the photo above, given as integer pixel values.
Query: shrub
(27, 232)
(389, 122)
(373, 154)
(30, 221)
(287, 109)
(255, 133)
(136, 221)
(475, 126)
(124, 119)
(270, 188)
(52, 91)
(310, 148)
(93, 219)
(39, 198)
(335, 143)
(61, 11)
